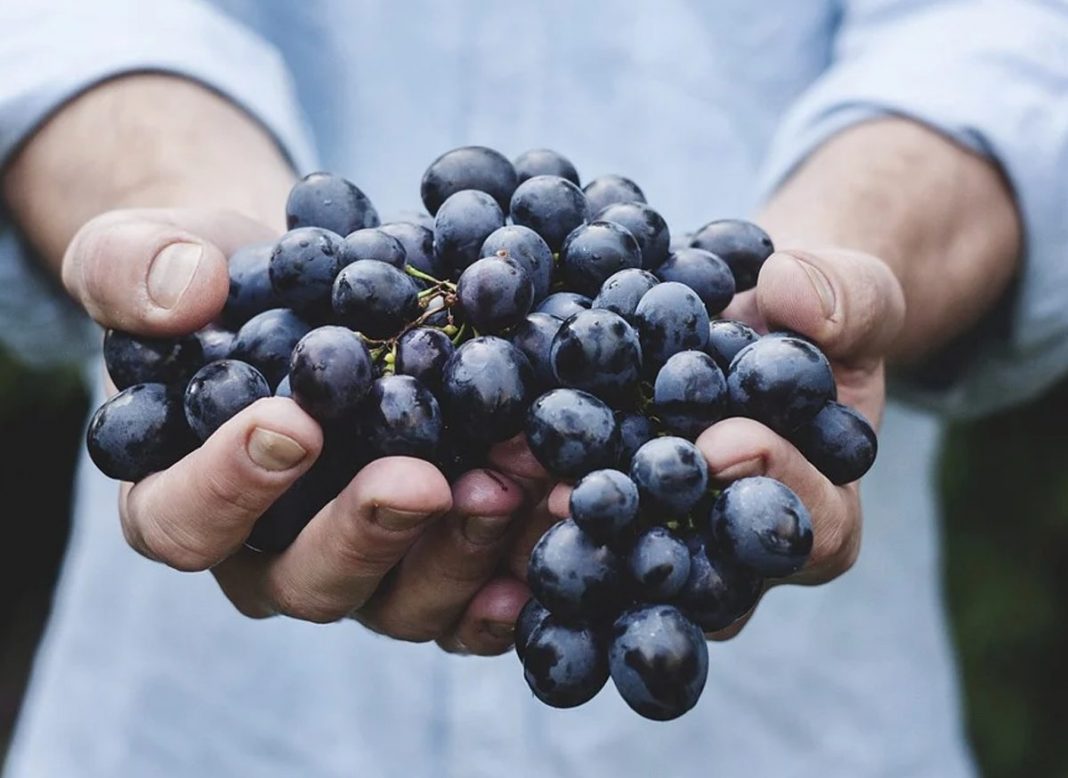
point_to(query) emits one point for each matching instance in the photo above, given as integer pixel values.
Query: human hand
(398, 548)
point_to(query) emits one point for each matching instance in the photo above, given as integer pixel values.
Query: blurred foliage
(1005, 493)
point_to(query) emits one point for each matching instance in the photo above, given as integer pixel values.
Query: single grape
(372, 243)
(671, 475)
(544, 162)
(267, 340)
(468, 167)
(215, 342)
(528, 249)
(598, 352)
(635, 430)
(375, 298)
(726, 339)
(574, 576)
(594, 252)
(607, 190)
(571, 433)
(330, 373)
(670, 318)
(422, 353)
(704, 272)
(604, 504)
(690, 394)
(418, 243)
(462, 225)
(551, 206)
(717, 592)
(139, 431)
(659, 564)
(534, 337)
(329, 201)
(658, 660)
(494, 293)
(303, 265)
(530, 618)
(564, 305)
(565, 666)
(219, 391)
(402, 418)
(761, 524)
(622, 292)
(133, 359)
(648, 228)
(741, 244)
(250, 290)
(839, 442)
(486, 389)
(782, 382)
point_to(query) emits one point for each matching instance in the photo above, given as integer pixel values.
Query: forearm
(142, 141)
(942, 217)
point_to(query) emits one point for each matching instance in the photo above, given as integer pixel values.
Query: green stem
(417, 273)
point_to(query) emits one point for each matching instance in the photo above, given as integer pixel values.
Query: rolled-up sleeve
(53, 50)
(992, 75)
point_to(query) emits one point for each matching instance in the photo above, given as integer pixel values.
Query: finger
(195, 513)
(487, 626)
(559, 504)
(514, 458)
(743, 308)
(155, 272)
(738, 448)
(342, 555)
(849, 303)
(451, 561)
(534, 524)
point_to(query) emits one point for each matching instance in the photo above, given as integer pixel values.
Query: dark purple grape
(219, 391)
(659, 564)
(607, 190)
(671, 475)
(551, 206)
(717, 592)
(648, 228)
(544, 162)
(303, 265)
(782, 382)
(372, 243)
(267, 340)
(704, 272)
(574, 576)
(658, 660)
(402, 418)
(571, 433)
(598, 352)
(565, 666)
(594, 252)
(422, 353)
(461, 226)
(741, 244)
(534, 337)
(528, 249)
(329, 201)
(726, 339)
(139, 431)
(215, 342)
(622, 291)
(468, 167)
(690, 394)
(418, 243)
(530, 618)
(133, 359)
(330, 373)
(604, 504)
(375, 298)
(486, 389)
(839, 442)
(635, 430)
(670, 318)
(564, 305)
(494, 293)
(250, 284)
(458, 454)
(761, 524)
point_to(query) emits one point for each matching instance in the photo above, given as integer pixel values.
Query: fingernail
(274, 451)
(172, 271)
(821, 284)
(395, 520)
(482, 530)
(500, 630)
(743, 469)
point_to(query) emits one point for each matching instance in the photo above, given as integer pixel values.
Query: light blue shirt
(149, 672)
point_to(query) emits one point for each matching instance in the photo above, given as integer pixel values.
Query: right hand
(162, 272)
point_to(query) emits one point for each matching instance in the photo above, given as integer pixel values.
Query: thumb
(155, 272)
(850, 303)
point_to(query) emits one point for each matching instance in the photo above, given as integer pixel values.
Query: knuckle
(835, 548)
(174, 549)
(224, 493)
(290, 601)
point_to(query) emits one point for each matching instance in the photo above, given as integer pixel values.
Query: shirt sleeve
(993, 76)
(57, 49)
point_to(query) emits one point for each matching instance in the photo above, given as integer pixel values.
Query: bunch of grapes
(522, 304)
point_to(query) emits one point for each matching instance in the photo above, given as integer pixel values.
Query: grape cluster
(522, 304)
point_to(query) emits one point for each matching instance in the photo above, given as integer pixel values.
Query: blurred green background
(1005, 488)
